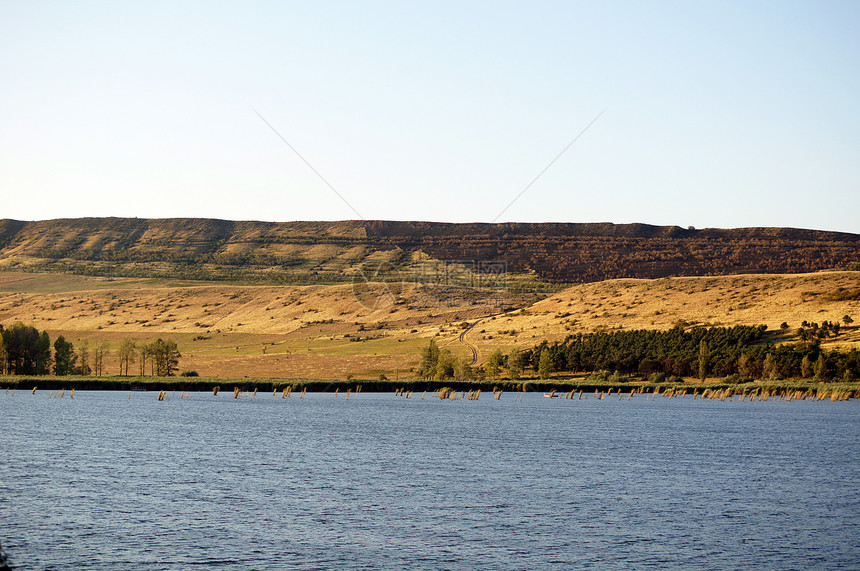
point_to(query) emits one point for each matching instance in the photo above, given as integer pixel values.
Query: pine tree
(703, 359)
(806, 367)
(769, 368)
(820, 368)
(744, 366)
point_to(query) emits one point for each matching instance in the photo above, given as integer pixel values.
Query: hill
(332, 252)
(628, 304)
(338, 330)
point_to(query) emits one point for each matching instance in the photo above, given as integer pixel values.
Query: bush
(598, 377)
(617, 377)
(189, 374)
(656, 378)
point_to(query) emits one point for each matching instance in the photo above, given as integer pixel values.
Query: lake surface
(122, 481)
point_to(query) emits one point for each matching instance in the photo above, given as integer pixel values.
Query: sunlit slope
(368, 329)
(663, 303)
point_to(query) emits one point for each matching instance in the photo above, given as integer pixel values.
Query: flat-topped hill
(330, 252)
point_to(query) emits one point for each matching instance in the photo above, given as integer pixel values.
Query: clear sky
(717, 114)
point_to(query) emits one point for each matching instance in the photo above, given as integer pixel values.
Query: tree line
(740, 353)
(698, 352)
(24, 350)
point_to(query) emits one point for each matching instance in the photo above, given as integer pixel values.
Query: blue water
(105, 481)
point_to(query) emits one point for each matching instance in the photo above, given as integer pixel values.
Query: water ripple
(106, 482)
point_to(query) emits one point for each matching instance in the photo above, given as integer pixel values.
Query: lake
(112, 480)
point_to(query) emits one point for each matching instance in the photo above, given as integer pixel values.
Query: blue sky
(720, 114)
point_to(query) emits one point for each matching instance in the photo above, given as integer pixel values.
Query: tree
(516, 362)
(545, 364)
(144, 355)
(64, 357)
(125, 354)
(444, 366)
(84, 358)
(820, 367)
(43, 354)
(769, 367)
(27, 352)
(463, 370)
(99, 356)
(164, 356)
(493, 364)
(745, 366)
(806, 367)
(4, 361)
(703, 360)
(172, 356)
(429, 359)
(847, 320)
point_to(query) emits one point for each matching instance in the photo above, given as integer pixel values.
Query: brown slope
(277, 252)
(595, 252)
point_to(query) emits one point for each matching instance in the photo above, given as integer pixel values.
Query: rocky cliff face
(322, 251)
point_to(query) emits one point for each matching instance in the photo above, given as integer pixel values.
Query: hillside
(331, 252)
(627, 304)
(337, 330)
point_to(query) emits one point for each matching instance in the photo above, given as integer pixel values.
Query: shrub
(598, 377)
(189, 374)
(656, 378)
(617, 377)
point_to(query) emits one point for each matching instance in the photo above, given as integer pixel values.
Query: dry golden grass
(261, 331)
(663, 303)
(312, 331)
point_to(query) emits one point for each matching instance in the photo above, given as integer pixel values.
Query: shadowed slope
(330, 252)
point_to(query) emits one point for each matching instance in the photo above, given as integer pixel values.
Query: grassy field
(663, 303)
(275, 331)
(371, 329)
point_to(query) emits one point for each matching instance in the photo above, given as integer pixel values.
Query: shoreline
(561, 386)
